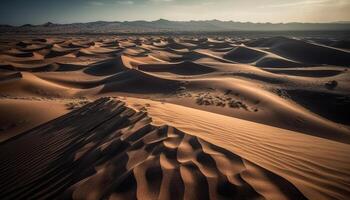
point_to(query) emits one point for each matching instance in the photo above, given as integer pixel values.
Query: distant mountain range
(163, 25)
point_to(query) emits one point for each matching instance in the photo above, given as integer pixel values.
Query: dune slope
(318, 167)
(233, 117)
(119, 154)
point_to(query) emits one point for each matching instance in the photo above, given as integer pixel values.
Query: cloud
(96, 3)
(299, 3)
(127, 2)
(159, 1)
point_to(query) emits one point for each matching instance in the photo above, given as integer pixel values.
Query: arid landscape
(174, 117)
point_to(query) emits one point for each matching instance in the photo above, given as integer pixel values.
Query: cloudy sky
(18, 12)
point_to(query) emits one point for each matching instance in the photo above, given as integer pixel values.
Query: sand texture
(174, 117)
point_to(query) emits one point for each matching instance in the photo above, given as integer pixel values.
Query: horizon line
(123, 21)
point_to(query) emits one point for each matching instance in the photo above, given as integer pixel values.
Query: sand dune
(18, 115)
(244, 55)
(182, 68)
(296, 50)
(122, 151)
(200, 71)
(278, 62)
(232, 117)
(105, 68)
(309, 72)
(314, 160)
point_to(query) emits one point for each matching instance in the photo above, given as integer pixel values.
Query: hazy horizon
(111, 21)
(19, 12)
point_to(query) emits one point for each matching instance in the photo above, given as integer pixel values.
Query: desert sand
(174, 117)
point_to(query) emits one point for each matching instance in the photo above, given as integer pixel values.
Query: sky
(19, 12)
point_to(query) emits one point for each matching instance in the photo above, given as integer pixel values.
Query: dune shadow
(104, 149)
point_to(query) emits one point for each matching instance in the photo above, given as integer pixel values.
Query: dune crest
(206, 117)
(122, 150)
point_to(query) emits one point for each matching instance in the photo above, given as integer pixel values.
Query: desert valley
(174, 117)
(175, 99)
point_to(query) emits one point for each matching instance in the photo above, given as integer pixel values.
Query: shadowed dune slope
(25, 67)
(277, 62)
(105, 68)
(244, 55)
(135, 81)
(105, 150)
(305, 72)
(302, 51)
(182, 68)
